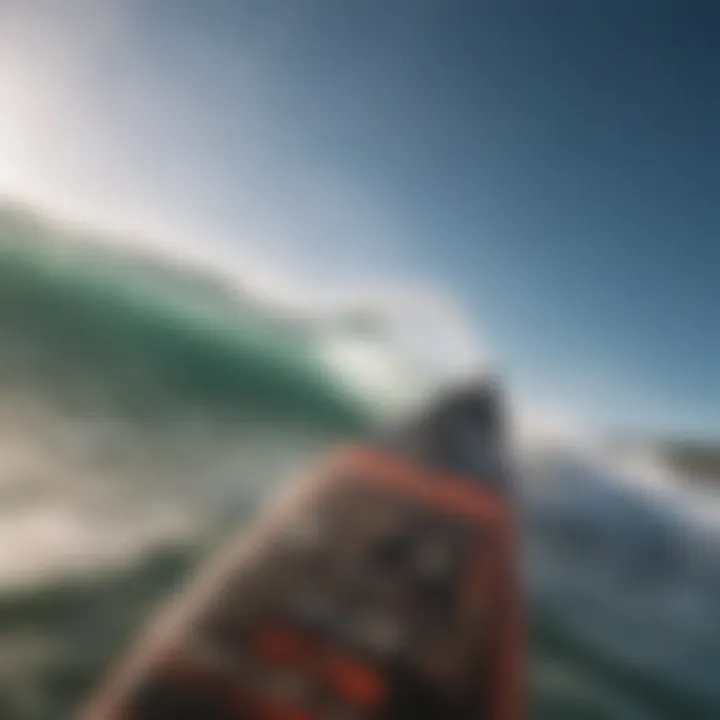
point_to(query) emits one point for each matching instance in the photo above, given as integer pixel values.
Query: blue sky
(552, 165)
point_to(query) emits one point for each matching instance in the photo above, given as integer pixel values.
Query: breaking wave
(148, 405)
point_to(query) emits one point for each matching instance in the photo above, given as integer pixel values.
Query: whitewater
(150, 401)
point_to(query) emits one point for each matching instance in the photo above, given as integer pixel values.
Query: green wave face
(147, 338)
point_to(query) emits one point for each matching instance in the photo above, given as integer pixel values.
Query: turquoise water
(147, 409)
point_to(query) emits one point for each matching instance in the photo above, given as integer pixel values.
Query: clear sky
(553, 165)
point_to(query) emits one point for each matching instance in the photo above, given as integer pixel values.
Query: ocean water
(148, 407)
